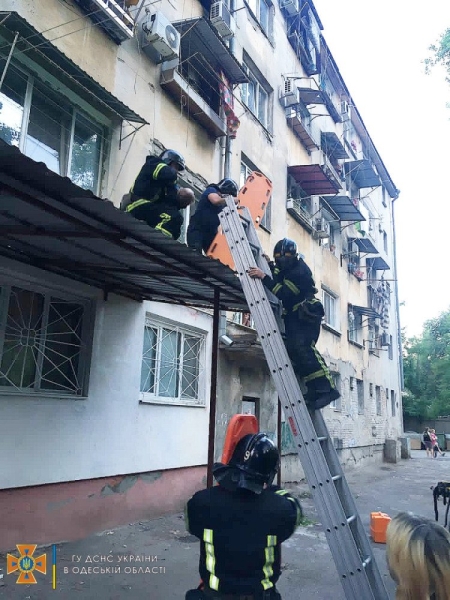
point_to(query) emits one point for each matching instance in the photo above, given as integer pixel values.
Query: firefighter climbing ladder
(348, 541)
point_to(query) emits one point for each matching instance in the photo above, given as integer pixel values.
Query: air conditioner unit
(384, 339)
(222, 20)
(290, 6)
(344, 107)
(289, 93)
(322, 227)
(162, 35)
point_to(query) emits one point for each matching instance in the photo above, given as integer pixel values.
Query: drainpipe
(399, 331)
(213, 389)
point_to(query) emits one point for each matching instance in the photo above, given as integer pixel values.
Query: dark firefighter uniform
(240, 538)
(302, 314)
(204, 222)
(154, 197)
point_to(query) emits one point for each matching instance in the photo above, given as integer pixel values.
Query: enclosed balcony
(362, 173)
(201, 80)
(111, 16)
(303, 127)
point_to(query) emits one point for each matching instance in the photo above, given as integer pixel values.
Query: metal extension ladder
(347, 539)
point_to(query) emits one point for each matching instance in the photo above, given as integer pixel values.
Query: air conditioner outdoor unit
(290, 6)
(289, 93)
(162, 35)
(384, 339)
(322, 227)
(344, 107)
(222, 20)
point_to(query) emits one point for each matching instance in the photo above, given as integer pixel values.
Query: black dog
(441, 489)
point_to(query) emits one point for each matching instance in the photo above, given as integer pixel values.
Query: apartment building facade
(107, 426)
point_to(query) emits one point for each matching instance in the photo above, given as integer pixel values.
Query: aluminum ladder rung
(349, 545)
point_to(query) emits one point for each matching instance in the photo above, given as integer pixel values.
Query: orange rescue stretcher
(254, 195)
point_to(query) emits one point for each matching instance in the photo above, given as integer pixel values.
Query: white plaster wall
(48, 440)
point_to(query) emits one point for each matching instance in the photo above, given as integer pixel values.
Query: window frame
(336, 404)
(155, 321)
(36, 78)
(256, 15)
(355, 328)
(86, 337)
(260, 84)
(326, 292)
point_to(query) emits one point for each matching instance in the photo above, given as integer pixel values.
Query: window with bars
(48, 128)
(44, 344)
(173, 364)
(330, 305)
(246, 169)
(256, 95)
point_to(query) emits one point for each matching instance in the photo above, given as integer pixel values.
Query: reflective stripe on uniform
(276, 288)
(291, 286)
(281, 492)
(314, 375)
(269, 553)
(136, 203)
(158, 169)
(298, 508)
(165, 218)
(322, 363)
(210, 559)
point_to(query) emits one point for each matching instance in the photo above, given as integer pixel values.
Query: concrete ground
(308, 568)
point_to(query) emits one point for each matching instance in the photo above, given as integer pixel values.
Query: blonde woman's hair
(418, 556)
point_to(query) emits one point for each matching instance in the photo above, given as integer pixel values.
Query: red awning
(315, 180)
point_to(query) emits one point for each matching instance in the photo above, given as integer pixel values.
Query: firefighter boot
(320, 393)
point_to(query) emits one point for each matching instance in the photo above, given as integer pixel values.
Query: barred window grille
(42, 343)
(173, 364)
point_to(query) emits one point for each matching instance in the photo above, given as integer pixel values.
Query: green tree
(440, 54)
(427, 370)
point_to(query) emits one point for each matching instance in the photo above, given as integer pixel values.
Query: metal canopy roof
(332, 146)
(313, 179)
(365, 245)
(40, 50)
(52, 224)
(379, 264)
(365, 310)
(344, 208)
(362, 173)
(198, 36)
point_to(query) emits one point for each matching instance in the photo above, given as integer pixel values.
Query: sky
(379, 48)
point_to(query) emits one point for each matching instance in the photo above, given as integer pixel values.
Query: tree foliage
(426, 364)
(440, 54)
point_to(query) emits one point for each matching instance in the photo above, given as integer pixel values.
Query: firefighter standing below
(204, 222)
(241, 524)
(294, 285)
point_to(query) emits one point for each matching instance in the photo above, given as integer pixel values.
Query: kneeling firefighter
(241, 524)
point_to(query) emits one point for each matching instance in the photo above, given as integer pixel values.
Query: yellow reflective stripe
(165, 218)
(326, 372)
(210, 558)
(281, 492)
(269, 553)
(291, 285)
(276, 271)
(158, 169)
(314, 375)
(214, 583)
(298, 520)
(294, 308)
(276, 288)
(136, 203)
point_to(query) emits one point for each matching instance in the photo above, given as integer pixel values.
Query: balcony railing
(111, 16)
(309, 135)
